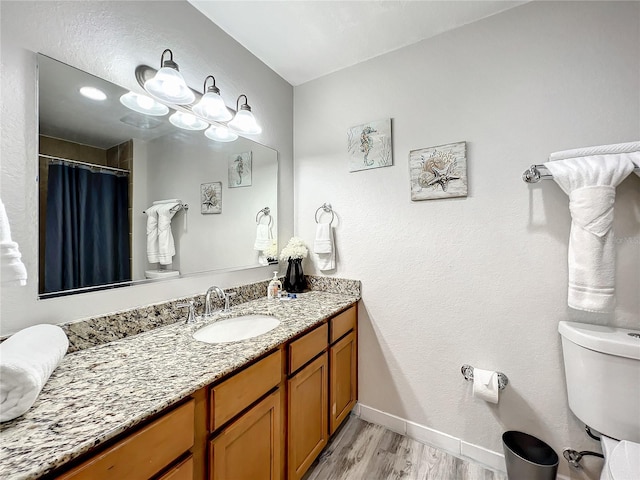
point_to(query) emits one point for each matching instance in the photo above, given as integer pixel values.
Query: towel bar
(177, 208)
(467, 373)
(535, 173)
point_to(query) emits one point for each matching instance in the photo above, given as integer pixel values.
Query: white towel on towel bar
(153, 251)
(166, 245)
(590, 182)
(27, 360)
(324, 247)
(263, 237)
(13, 271)
(614, 148)
(168, 200)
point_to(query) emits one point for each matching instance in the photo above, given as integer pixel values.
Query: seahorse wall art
(369, 145)
(438, 172)
(240, 170)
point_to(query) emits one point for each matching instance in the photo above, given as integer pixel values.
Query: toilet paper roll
(485, 385)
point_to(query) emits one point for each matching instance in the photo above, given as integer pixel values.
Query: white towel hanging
(590, 183)
(13, 271)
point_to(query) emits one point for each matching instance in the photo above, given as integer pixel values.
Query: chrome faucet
(207, 299)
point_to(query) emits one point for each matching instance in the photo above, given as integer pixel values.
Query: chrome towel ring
(266, 212)
(326, 207)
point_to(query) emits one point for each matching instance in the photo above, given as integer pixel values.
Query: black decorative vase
(294, 280)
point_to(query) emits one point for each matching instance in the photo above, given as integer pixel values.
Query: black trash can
(528, 458)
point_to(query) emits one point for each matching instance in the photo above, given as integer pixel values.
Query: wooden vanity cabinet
(267, 421)
(343, 367)
(144, 453)
(245, 422)
(307, 400)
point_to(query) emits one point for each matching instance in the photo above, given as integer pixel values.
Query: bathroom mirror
(102, 166)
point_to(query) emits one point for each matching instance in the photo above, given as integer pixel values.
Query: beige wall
(482, 279)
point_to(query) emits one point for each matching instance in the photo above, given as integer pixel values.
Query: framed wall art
(240, 170)
(369, 145)
(211, 197)
(438, 172)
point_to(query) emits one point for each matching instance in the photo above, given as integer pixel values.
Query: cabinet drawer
(343, 323)
(143, 453)
(307, 347)
(182, 471)
(234, 395)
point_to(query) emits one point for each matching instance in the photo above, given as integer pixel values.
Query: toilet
(158, 274)
(602, 368)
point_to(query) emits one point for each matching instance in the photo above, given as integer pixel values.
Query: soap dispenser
(273, 290)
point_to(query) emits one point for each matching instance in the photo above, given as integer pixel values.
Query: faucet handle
(191, 318)
(227, 296)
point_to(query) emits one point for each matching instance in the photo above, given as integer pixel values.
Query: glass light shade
(220, 134)
(211, 107)
(143, 104)
(93, 93)
(168, 86)
(245, 122)
(187, 121)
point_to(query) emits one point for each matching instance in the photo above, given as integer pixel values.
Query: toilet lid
(624, 461)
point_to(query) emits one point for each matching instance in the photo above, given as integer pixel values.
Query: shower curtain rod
(93, 165)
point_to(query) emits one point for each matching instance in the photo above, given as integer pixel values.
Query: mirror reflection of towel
(166, 246)
(263, 238)
(152, 234)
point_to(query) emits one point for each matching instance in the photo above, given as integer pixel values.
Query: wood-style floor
(364, 451)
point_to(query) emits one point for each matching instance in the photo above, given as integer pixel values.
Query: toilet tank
(602, 367)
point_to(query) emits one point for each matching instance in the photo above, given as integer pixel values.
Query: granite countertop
(98, 393)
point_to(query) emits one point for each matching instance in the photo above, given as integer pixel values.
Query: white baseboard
(435, 438)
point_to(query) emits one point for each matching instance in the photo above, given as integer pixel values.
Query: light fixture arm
(168, 63)
(245, 105)
(212, 88)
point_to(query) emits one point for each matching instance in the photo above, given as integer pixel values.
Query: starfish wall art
(438, 172)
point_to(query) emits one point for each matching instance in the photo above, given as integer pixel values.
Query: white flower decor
(272, 250)
(294, 249)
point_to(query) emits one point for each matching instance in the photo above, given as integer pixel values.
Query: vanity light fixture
(244, 121)
(220, 134)
(93, 93)
(187, 121)
(143, 104)
(211, 107)
(168, 85)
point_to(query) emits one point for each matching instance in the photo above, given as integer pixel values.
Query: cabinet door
(343, 379)
(308, 416)
(249, 448)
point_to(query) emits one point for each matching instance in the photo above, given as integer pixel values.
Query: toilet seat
(624, 463)
(622, 459)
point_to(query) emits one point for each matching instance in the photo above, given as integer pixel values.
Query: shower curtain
(87, 228)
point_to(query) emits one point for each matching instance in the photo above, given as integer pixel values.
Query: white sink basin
(236, 328)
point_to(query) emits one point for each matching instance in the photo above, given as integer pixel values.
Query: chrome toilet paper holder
(467, 373)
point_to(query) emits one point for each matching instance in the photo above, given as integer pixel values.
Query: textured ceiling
(303, 40)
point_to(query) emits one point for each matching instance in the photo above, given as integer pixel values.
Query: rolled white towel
(27, 360)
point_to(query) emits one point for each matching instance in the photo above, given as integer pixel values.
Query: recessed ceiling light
(93, 93)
